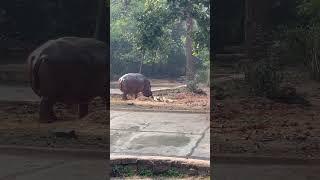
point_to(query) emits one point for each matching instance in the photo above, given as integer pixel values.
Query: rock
(65, 133)
(157, 98)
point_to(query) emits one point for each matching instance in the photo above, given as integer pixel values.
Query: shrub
(312, 58)
(192, 86)
(303, 45)
(264, 78)
(203, 76)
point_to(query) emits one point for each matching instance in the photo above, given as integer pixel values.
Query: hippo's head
(147, 89)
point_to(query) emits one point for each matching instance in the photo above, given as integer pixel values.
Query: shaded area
(244, 124)
(20, 126)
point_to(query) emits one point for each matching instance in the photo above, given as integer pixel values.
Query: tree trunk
(190, 69)
(140, 68)
(257, 24)
(141, 63)
(101, 22)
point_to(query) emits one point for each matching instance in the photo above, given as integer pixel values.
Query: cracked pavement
(160, 133)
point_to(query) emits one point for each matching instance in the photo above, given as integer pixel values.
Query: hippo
(69, 70)
(133, 83)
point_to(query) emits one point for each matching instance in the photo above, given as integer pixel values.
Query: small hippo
(133, 83)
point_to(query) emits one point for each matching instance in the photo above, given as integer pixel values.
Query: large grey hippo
(69, 70)
(133, 83)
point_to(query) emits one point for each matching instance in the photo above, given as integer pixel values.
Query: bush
(192, 86)
(312, 58)
(203, 76)
(263, 78)
(303, 45)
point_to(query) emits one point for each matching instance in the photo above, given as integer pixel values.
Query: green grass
(123, 171)
(172, 173)
(130, 172)
(145, 173)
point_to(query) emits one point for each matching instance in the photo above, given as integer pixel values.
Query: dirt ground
(247, 124)
(19, 121)
(19, 126)
(240, 123)
(177, 99)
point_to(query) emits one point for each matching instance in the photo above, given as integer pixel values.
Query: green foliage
(131, 171)
(172, 173)
(150, 31)
(154, 36)
(301, 42)
(309, 9)
(312, 50)
(309, 36)
(200, 77)
(145, 173)
(200, 12)
(193, 86)
(124, 56)
(123, 171)
(204, 76)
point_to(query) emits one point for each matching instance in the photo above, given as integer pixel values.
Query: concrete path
(49, 167)
(160, 133)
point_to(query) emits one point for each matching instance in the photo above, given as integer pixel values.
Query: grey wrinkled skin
(133, 83)
(70, 70)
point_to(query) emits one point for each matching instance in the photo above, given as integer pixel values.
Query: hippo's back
(132, 82)
(70, 67)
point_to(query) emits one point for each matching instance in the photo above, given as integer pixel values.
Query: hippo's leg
(124, 96)
(46, 110)
(83, 109)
